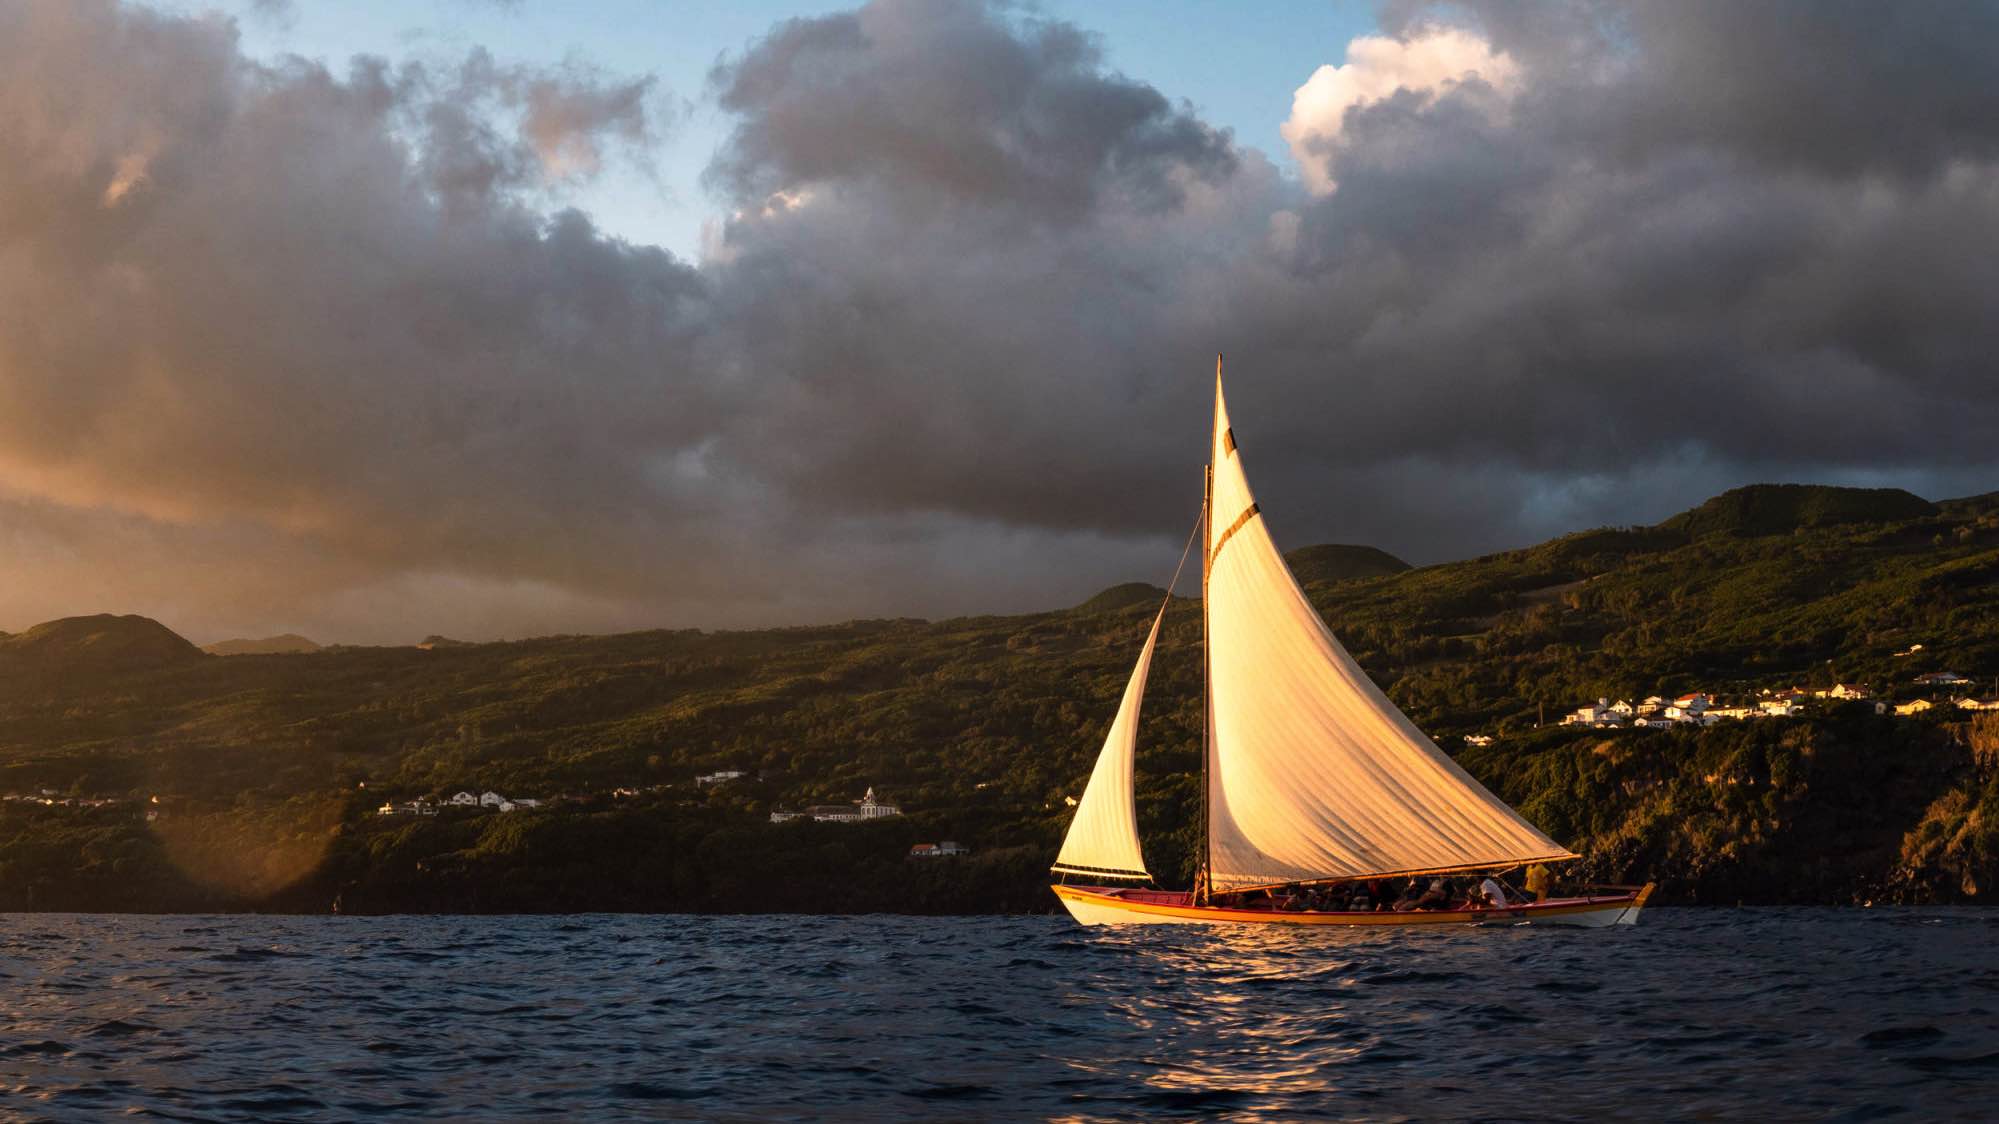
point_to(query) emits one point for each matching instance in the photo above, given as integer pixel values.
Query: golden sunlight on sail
(1312, 775)
(1103, 838)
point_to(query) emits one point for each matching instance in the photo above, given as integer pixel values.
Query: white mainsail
(1103, 838)
(1313, 774)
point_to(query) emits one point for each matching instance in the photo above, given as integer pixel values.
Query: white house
(1915, 707)
(1602, 714)
(1969, 703)
(463, 800)
(1696, 717)
(1478, 739)
(1941, 679)
(1737, 712)
(1777, 708)
(491, 799)
(726, 775)
(872, 809)
(869, 808)
(1693, 703)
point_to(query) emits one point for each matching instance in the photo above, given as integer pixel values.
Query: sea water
(1718, 1013)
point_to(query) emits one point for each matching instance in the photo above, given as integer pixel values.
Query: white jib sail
(1103, 838)
(1313, 773)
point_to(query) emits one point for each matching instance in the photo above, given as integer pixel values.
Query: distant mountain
(1780, 509)
(269, 645)
(1123, 597)
(433, 641)
(1337, 562)
(100, 644)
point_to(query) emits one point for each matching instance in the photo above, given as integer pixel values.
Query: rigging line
(1185, 551)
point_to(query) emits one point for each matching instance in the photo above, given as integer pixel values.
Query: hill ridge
(281, 644)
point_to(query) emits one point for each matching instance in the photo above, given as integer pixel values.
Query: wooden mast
(1204, 883)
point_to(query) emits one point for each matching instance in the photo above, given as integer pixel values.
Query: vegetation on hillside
(269, 645)
(980, 727)
(1337, 562)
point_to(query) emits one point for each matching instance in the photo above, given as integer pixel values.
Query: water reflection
(1717, 1013)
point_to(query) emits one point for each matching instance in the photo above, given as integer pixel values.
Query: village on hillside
(867, 808)
(1946, 689)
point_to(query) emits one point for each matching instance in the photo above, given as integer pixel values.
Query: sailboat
(1313, 778)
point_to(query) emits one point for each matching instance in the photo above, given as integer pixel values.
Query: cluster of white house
(47, 798)
(488, 799)
(943, 850)
(1697, 709)
(869, 808)
(1701, 709)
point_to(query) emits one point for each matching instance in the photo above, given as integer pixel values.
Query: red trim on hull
(1181, 904)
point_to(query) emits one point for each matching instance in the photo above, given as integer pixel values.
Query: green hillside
(979, 727)
(1123, 597)
(269, 645)
(1338, 562)
(1781, 509)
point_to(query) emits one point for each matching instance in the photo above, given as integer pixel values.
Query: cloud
(1435, 61)
(297, 349)
(944, 97)
(282, 13)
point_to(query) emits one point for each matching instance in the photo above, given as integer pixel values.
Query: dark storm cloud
(321, 350)
(917, 96)
(1642, 254)
(1517, 290)
(1832, 87)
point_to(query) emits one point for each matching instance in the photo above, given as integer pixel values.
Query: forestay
(1103, 838)
(1313, 774)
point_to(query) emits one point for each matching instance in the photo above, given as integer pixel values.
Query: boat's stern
(1630, 915)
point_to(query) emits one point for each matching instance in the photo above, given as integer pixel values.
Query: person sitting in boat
(1438, 896)
(1360, 901)
(1491, 894)
(1410, 895)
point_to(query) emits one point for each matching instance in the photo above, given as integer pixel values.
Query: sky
(495, 318)
(1238, 65)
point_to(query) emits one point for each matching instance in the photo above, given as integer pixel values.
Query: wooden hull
(1106, 905)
